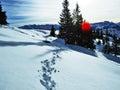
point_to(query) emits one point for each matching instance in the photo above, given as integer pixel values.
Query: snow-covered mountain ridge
(29, 62)
(44, 26)
(106, 24)
(113, 28)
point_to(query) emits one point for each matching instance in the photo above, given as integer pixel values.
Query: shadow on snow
(112, 58)
(14, 43)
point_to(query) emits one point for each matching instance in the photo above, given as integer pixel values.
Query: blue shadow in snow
(12, 43)
(82, 50)
(112, 58)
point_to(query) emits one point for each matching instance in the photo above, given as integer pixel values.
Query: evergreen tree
(99, 42)
(66, 24)
(52, 33)
(0, 7)
(115, 46)
(106, 38)
(88, 40)
(106, 48)
(101, 34)
(3, 17)
(106, 43)
(77, 20)
(77, 16)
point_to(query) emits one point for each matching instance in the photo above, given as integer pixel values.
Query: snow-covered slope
(32, 60)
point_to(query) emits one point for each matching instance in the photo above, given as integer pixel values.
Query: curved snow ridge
(8, 33)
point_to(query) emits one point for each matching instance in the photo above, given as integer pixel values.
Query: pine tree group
(109, 42)
(116, 46)
(3, 17)
(70, 27)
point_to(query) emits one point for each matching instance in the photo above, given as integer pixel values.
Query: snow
(27, 62)
(86, 72)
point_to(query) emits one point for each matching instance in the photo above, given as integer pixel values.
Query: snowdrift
(27, 62)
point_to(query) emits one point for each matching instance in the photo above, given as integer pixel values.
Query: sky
(48, 11)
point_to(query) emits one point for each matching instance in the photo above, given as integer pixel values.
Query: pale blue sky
(48, 11)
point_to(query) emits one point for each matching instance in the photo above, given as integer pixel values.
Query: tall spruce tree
(77, 16)
(77, 20)
(66, 24)
(3, 17)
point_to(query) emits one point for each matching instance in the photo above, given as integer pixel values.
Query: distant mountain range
(119, 23)
(102, 25)
(106, 24)
(113, 28)
(43, 27)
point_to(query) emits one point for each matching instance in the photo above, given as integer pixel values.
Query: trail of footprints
(48, 69)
